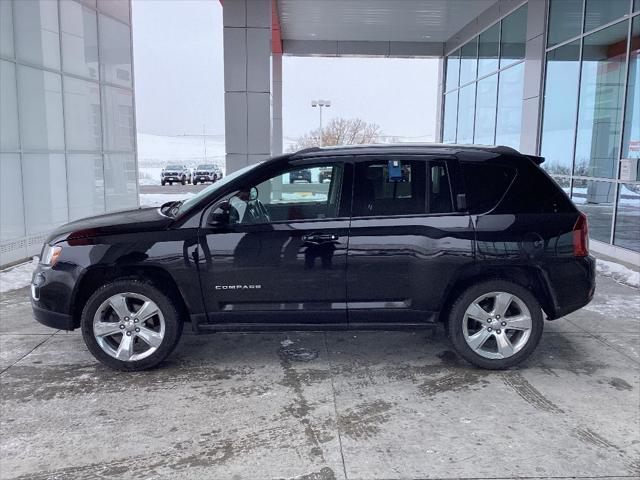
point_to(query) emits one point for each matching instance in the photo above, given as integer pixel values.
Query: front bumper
(51, 294)
(204, 178)
(51, 319)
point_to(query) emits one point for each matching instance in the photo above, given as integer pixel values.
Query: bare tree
(340, 131)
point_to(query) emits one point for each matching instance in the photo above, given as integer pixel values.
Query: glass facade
(67, 142)
(590, 133)
(589, 117)
(484, 85)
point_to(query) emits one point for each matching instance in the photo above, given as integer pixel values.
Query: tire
(164, 328)
(195, 182)
(183, 181)
(163, 183)
(523, 315)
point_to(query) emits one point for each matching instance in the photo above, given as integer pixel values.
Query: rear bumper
(572, 285)
(51, 319)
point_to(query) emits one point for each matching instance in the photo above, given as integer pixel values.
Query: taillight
(581, 237)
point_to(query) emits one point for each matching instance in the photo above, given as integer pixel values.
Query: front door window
(302, 193)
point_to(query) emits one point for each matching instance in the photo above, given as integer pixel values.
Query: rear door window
(395, 186)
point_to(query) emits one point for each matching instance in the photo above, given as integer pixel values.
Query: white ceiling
(376, 20)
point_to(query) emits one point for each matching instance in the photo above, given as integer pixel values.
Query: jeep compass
(398, 237)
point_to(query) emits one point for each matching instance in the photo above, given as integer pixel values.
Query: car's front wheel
(495, 324)
(130, 325)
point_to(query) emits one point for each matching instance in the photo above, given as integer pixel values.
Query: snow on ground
(618, 272)
(157, 199)
(156, 151)
(18, 276)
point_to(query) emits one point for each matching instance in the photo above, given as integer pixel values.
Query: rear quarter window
(533, 191)
(486, 184)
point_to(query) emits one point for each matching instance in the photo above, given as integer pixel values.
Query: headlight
(50, 255)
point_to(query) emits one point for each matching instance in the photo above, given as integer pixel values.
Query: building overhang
(375, 28)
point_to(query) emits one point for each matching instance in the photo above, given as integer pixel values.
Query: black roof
(473, 152)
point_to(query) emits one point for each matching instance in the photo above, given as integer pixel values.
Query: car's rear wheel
(195, 182)
(130, 325)
(495, 324)
(163, 183)
(183, 181)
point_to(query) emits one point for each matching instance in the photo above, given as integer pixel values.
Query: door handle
(320, 238)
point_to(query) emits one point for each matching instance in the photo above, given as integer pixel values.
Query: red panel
(276, 37)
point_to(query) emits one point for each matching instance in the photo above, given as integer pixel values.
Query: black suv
(479, 238)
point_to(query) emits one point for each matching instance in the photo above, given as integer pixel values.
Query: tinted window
(533, 191)
(401, 187)
(485, 184)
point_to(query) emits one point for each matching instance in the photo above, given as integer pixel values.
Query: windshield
(205, 167)
(190, 202)
(173, 167)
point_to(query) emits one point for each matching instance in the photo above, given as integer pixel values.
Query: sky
(179, 79)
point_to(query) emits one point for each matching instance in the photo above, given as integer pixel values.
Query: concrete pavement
(356, 405)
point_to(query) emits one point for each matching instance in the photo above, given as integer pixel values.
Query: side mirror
(219, 216)
(461, 202)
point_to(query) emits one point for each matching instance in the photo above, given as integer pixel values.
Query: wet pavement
(321, 406)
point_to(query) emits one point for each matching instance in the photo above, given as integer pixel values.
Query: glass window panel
(453, 70)
(116, 8)
(485, 125)
(627, 234)
(115, 52)
(631, 142)
(560, 106)
(117, 109)
(510, 106)
(79, 39)
(469, 61)
(36, 32)
(636, 6)
(86, 185)
(120, 181)
(9, 111)
(595, 199)
(82, 114)
(450, 117)
(564, 183)
(6, 29)
(466, 114)
(565, 20)
(488, 50)
(11, 209)
(599, 12)
(44, 179)
(40, 107)
(600, 107)
(514, 36)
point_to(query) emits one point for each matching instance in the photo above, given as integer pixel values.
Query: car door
(407, 239)
(281, 257)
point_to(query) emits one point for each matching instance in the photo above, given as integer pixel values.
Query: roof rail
(306, 150)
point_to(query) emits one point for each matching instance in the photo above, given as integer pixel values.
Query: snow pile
(619, 273)
(18, 276)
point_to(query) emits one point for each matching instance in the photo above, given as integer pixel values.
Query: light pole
(321, 103)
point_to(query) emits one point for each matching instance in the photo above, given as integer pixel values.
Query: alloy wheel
(497, 325)
(129, 326)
